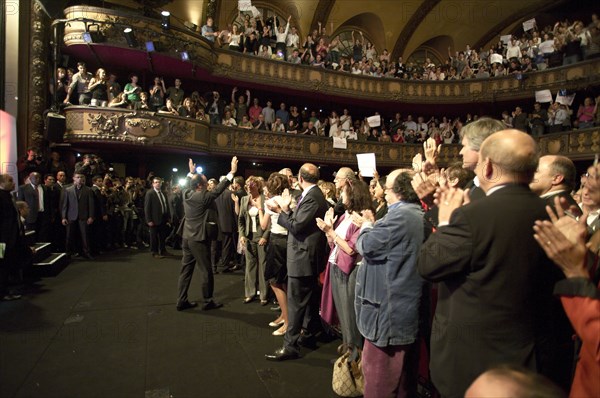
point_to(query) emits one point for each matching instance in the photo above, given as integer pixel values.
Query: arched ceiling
(400, 26)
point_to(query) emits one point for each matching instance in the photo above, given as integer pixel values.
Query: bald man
(305, 258)
(491, 274)
(555, 177)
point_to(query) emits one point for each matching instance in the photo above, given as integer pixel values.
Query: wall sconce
(130, 37)
(165, 19)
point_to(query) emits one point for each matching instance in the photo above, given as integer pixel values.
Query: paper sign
(543, 96)
(339, 143)
(374, 121)
(244, 5)
(506, 39)
(496, 59)
(255, 12)
(529, 24)
(546, 47)
(366, 164)
(565, 99)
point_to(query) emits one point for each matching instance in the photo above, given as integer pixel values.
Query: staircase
(46, 263)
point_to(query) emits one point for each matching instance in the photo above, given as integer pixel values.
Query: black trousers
(158, 235)
(303, 309)
(195, 254)
(227, 249)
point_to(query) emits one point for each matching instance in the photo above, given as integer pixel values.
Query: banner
(543, 96)
(565, 99)
(366, 164)
(529, 24)
(496, 59)
(245, 5)
(374, 121)
(340, 143)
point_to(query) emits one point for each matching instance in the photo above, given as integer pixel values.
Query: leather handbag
(348, 379)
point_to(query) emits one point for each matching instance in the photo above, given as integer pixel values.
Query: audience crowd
(365, 261)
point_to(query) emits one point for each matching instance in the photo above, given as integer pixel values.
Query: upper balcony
(207, 62)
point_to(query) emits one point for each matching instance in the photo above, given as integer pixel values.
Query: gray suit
(196, 244)
(76, 207)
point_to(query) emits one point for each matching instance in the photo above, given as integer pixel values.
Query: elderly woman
(340, 274)
(254, 238)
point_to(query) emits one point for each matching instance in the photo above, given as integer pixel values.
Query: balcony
(210, 63)
(129, 131)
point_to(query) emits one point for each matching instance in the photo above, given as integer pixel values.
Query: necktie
(162, 201)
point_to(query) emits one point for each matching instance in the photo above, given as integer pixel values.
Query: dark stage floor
(109, 328)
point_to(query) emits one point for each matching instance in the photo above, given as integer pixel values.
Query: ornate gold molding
(122, 126)
(268, 72)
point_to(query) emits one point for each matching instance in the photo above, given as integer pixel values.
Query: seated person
(228, 120)
(245, 123)
(169, 108)
(278, 126)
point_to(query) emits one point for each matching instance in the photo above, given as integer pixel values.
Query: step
(42, 250)
(52, 265)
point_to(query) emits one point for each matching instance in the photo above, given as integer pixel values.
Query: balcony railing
(125, 128)
(228, 64)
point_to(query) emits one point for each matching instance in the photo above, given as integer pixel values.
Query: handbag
(348, 379)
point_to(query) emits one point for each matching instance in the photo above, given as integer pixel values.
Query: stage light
(165, 20)
(199, 170)
(130, 37)
(182, 182)
(185, 56)
(175, 170)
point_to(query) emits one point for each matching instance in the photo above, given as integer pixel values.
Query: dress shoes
(211, 305)
(308, 341)
(282, 354)
(186, 305)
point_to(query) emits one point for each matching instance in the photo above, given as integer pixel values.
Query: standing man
(176, 94)
(197, 202)
(98, 228)
(156, 210)
(227, 226)
(79, 84)
(493, 279)
(555, 176)
(305, 258)
(77, 210)
(38, 200)
(388, 288)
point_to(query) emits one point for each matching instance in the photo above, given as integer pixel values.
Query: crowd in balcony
(242, 110)
(537, 48)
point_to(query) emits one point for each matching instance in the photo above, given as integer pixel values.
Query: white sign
(506, 39)
(546, 47)
(339, 143)
(244, 5)
(496, 59)
(543, 96)
(366, 164)
(564, 99)
(529, 24)
(374, 121)
(255, 12)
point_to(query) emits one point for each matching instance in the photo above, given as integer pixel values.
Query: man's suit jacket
(27, 194)
(10, 230)
(563, 194)
(73, 208)
(245, 221)
(228, 221)
(196, 204)
(494, 287)
(306, 245)
(99, 203)
(153, 210)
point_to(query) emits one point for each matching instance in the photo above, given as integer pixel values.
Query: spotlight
(175, 170)
(199, 170)
(185, 56)
(182, 182)
(130, 37)
(165, 20)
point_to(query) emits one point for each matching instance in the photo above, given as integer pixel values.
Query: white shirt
(341, 231)
(275, 228)
(40, 195)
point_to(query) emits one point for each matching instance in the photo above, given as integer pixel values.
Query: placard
(244, 5)
(496, 59)
(374, 121)
(543, 96)
(529, 24)
(366, 164)
(340, 143)
(565, 99)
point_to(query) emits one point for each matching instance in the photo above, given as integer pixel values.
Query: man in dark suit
(77, 210)
(197, 202)
(56, 229)
(98, 228)
(158, 218)
(34, 193)
(305, 257)
(227, 226)
(11, 235)
(493, 279)
(555, 177)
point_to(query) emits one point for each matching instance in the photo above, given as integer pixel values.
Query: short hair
(403, 187)
(565, 167)
(330, 186)
(476, 132)
(239, 180)
(308, 175)
(456, 171)
(46, 176)
(4, 178)
(81, 64)
(198, 180)
(277, 183)
(21, 205)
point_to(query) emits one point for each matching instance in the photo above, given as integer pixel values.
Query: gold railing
(268, 72)
(124, 128)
